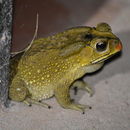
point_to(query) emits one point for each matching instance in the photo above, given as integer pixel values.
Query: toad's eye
(101, 46)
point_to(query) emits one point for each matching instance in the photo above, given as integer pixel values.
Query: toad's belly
(40, 92)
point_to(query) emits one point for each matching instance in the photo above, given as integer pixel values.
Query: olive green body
(52, 65)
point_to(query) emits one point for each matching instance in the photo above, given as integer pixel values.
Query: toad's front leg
(82, 85)
(63, 97)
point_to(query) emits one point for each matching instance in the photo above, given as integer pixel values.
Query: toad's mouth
(102, 59)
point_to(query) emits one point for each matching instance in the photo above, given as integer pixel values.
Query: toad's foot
(82, 85)
(63, 97)
(30, 101)
(77, 107)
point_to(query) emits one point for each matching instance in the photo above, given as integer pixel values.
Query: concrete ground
(111, 101)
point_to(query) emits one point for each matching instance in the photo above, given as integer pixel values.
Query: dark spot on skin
(88, 37)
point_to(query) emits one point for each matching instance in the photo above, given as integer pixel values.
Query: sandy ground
(111, 101)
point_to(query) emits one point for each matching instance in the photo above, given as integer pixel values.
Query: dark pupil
(101, 46)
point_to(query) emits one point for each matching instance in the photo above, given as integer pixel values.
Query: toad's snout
(119, 46)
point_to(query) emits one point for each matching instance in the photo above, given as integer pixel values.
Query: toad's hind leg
(30, 101)
(82, 85)
(63, 97)
(18, 92)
